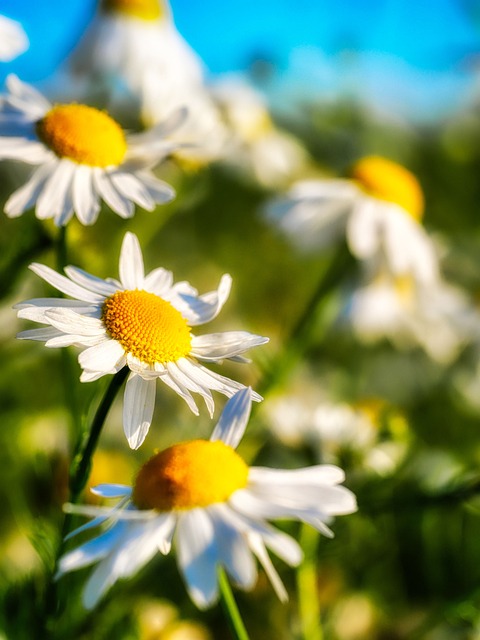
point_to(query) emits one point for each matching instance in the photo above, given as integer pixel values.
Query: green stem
(230, 607)
(82, 462)
(300, 335)
(79, 474)
(307, 587)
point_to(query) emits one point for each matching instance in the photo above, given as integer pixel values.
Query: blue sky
(419, 42)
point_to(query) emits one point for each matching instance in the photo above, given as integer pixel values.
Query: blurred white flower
(203, 496)
(81, 156)
(142, 322)
(378, 211)
(255, 146)
(331, 428)
(13, 39)
(133, 60)
(434, 316)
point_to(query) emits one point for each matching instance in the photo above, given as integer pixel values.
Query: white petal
(234, 419)
(131, 263)
(159, 190)
(182, 392)
(54, 202)
(138, 406)
(131, 187)
(92, 283)
(115, 200)
(68, 321)
(111, 490)
(198, 556)
(232, 547)
(24, 198)
(184, 381)
(104, 357)
(158, 281)
(44, 334)
(201, 309)
(91, 551)
(211, 347)
(322, 474)
(258, 548)
(65, 285)
(84, 196)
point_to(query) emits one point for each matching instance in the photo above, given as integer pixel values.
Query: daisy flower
(202, 497)
(127, 42)
(81, 156)
(142, 322)
(434, 316)
(13, 39)
(256, 147)
(379, 211)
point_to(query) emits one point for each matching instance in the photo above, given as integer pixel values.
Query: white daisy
(434, 316)
(82, 155)
(256, 147)
(142, 322)
(202, 496)
(378, 211)
(13, 39)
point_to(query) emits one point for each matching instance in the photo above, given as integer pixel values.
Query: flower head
(203, 497)
(13, 39)
(378, 211)
(82, 156)
(143, 322)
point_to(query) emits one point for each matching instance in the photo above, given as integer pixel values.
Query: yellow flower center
(146, 326)
(142, 9)
(387, 180)
(83, 134)
(189, 475)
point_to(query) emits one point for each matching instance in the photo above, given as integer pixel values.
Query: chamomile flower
(256, 148)
(142, 322)
(128, 42)
(81, 156)
(435, 316)
(202, 497)
(13, 39)
(379, 210)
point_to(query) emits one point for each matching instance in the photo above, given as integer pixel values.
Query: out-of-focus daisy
(379, 210)
(143, 322)
(256, 147)
(369, 433)
(433, 315)
(203, 497)
(82, 156)
(13, 39)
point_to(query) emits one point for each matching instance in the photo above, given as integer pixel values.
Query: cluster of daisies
(199, 495)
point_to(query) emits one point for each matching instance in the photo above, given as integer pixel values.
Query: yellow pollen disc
(146, 326)
(83, 134)
(142, 9)
(387, 180)
(188, 475)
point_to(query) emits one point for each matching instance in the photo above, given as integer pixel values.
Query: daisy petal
(197, 556)
(234, 419)
(105, 357)
(212, 347)
(131, 263)
(65, 285)
(138, 406)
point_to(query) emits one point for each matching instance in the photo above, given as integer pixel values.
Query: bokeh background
(347, 79)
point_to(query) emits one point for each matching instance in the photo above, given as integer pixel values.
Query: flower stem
(79, 473)
(307, 588)
(230, 607)
(82, 462)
